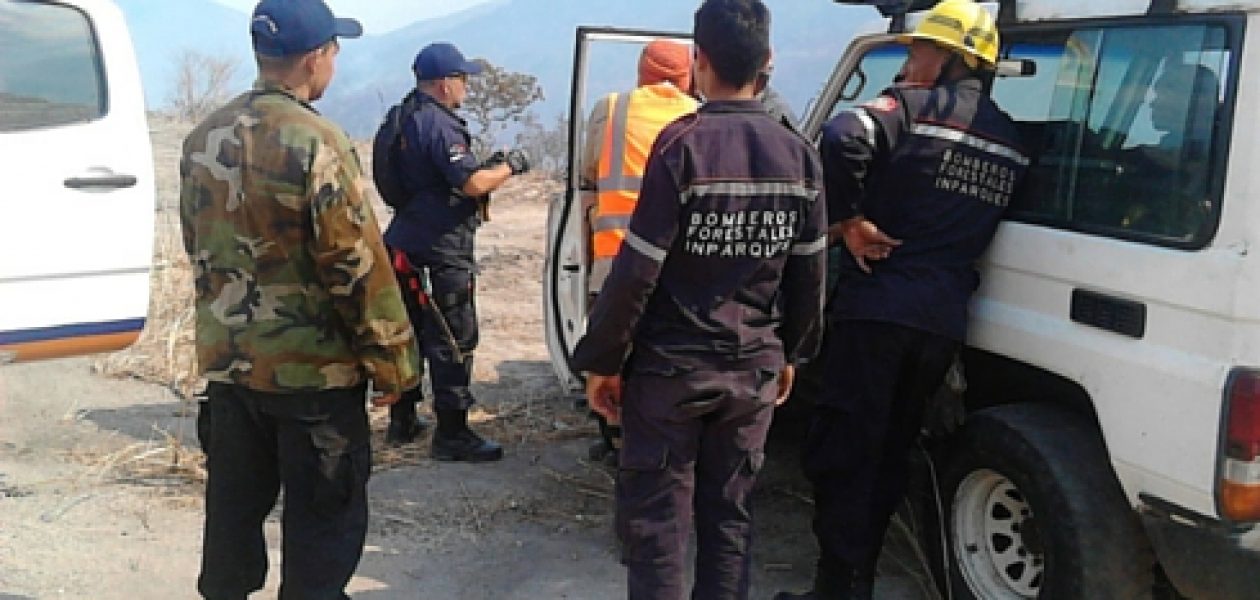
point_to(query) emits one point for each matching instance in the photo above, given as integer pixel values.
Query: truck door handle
(1119, 315)
(572, 268)
(100, 179)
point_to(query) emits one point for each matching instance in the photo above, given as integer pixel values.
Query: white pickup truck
(76, 225)
(1112, 442)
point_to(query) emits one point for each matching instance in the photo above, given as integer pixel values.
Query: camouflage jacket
(294, 289)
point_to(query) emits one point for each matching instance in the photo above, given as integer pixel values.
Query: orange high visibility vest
(634, 121)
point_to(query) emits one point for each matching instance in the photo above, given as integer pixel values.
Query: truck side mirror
(1016, 67)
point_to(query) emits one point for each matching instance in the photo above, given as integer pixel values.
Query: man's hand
(864, 240)
(786, 378)
(603, 393)
(517, 160)
(381, 400)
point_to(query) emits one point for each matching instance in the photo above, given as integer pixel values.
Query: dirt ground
(100, 477)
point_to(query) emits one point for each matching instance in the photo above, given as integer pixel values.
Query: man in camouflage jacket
(297, 309)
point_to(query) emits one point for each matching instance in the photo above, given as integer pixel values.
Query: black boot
(863, 588)
(825, 588)
(454, 441)
(795, 596)
(836, 584)
(404, 424)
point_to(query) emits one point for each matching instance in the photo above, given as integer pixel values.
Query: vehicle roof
(1027, 11)
(1041, 10)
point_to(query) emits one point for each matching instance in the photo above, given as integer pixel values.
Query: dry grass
(176, 471)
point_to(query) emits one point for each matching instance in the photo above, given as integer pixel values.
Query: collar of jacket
(968, 82)
(427, 99)
(751, 105)
(262, 86)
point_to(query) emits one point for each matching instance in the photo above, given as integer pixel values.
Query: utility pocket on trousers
(756, 459)
(656, 369)
(741, 473)
(647, 508)
(644, 455)
(343, 469)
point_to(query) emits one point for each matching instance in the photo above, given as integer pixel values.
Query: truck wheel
(1032, 510)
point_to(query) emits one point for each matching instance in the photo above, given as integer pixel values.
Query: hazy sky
(380, 16)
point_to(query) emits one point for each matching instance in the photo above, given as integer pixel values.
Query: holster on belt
(416, 282)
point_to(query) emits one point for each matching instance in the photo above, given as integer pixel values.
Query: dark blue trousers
(693, 444)
(857, 451)
(453, 291)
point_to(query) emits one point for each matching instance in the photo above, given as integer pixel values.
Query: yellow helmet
(962, 26)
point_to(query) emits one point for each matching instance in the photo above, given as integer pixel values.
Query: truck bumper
(1203, 557)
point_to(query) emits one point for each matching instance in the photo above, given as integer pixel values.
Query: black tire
(1033, 510)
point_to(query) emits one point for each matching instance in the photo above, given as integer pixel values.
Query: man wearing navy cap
(297, 311)
(432, 236)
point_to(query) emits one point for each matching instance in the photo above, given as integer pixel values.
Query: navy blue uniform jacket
(439, 222)
(934, 168)
(725, 256)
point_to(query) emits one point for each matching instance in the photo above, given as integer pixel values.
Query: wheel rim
(995, 538)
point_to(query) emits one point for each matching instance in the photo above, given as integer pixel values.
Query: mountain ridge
(527, 36)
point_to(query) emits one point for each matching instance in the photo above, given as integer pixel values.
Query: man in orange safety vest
(619, 136)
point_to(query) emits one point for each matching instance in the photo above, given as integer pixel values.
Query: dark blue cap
(440, 60)
(292, 27)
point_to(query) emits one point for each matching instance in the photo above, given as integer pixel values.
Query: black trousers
(693, 444)
(856, 453)
(315, 446)
(453, 290)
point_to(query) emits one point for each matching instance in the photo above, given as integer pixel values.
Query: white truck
(1112, 443)
(76, 225)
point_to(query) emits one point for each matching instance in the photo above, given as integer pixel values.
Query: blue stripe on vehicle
(43, 334)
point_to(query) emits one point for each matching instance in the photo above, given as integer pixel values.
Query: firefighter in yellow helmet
(962, 27)
(917, 181)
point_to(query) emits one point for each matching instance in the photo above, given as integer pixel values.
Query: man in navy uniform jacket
(716, 294)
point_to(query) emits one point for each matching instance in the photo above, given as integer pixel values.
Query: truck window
(50, 69)
(874, 73)
(1124, 126)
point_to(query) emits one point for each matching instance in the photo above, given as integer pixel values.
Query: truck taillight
(1239, 483)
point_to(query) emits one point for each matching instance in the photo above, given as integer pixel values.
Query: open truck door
(604, 61)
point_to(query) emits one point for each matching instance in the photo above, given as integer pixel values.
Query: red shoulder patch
(456, 152)
(882, 104)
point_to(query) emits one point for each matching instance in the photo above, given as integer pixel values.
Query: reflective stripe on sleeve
(962, 137)
(868, 124)
(809, 248)
(644, 247)
(750, 189)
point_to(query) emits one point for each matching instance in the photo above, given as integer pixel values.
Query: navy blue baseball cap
(440, 60)
(292, 27)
